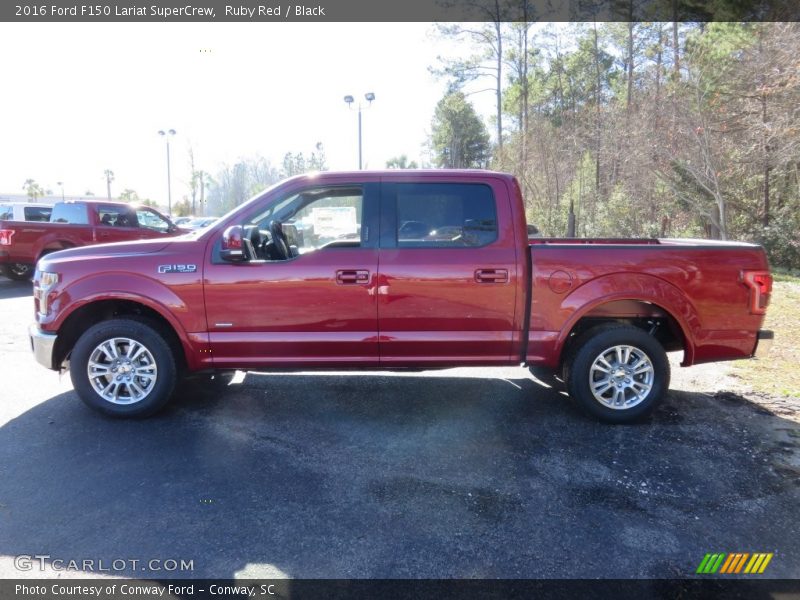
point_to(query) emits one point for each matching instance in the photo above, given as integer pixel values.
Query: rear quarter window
(38, 213)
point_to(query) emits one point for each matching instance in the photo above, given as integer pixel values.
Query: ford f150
(394, 270)
(76, 223)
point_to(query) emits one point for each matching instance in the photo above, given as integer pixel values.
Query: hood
(99, 251)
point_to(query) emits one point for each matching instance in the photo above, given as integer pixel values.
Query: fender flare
(47, 241)
(632, 286)
(126, 287)
(54, 246)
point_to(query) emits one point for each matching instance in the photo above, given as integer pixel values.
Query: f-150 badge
(177, 268)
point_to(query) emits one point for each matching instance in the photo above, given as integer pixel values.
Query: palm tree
(109, 178)
(33, 189)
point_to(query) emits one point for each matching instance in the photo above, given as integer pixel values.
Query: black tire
(18, 271)
(629, 392)
(157, 359)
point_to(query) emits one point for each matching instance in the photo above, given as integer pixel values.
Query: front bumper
(763, 343)
(42, 344)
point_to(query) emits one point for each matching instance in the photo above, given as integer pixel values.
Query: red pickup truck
(394, 270)
(76, 223)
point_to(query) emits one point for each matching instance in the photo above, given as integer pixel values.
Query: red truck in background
(394, 270)
(76, 223)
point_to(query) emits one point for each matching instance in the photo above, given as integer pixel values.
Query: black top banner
(267, 11)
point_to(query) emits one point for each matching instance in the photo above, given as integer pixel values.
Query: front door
(119, 223)
(307, 299)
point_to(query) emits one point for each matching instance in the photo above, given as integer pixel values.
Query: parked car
(130, 318)
(77, 223)
(182, 220)
(199, 222)
(25, 211)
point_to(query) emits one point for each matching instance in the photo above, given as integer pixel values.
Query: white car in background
(25, 211)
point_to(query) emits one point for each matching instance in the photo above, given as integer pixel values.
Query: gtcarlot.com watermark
(46, 562)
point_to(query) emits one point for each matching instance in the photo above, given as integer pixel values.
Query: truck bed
(693, 286)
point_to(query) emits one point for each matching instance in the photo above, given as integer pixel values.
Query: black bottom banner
(333, 589)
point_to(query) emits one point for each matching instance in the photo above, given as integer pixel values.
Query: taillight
(760, 284)
(5, 236)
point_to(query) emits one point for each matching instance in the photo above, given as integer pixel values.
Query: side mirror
(232, 245)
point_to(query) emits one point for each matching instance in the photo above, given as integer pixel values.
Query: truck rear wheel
(123, 368)
(18, 271)
(618, 373)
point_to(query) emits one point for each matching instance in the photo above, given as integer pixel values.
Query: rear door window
(445, 215)
(67, 212)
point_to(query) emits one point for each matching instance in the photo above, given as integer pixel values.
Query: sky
(80, 98)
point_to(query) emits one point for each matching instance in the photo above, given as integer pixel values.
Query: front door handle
(491, 275)
(352, 277)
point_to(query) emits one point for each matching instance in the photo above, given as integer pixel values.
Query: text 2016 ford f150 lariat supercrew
(394, 270)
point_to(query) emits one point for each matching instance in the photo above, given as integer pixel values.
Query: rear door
(448, 273)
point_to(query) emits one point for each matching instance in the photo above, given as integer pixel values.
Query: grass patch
(786, 275)
(778, 373)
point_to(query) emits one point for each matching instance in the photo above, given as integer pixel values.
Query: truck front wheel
(123, 368)
(618, 373)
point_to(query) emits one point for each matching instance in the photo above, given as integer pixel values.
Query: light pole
(61, 185)
(369, 97)
(166, 135)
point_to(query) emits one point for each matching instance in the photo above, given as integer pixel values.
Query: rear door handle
(491, 275)
(354, 277)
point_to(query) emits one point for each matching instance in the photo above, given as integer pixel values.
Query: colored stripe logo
(734, 563)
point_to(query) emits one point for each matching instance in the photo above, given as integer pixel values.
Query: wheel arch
(97, 310)
(636, 299)
(54, 246)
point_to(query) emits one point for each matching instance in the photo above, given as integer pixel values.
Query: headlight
(47, 280)
(43, 282)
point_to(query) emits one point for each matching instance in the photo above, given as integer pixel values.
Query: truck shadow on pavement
(14, 289)
(397, 476)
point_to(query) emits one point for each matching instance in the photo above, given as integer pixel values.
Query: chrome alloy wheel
(19, 269)
(621, 377)
(122, 371)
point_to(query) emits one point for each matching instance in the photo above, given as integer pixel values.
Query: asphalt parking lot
(459, 473)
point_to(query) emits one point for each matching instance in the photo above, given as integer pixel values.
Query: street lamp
(369, 97)
(61, 185)
(166, 135)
